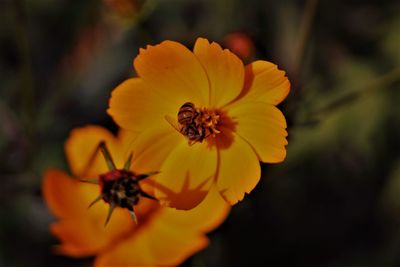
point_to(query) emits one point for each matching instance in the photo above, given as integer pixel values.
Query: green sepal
(110, 211)
(145, 175)
(128, 162)
(89, 181)
(95, 201)
(107, 156)
(133, 216)
(144, 194)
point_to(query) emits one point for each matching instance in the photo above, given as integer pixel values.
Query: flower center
(196, 124)
(210, 120)
(120, 188)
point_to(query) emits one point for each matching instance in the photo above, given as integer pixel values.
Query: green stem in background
(146, 10)
(296, 68)
(381, 82)
(304, 36)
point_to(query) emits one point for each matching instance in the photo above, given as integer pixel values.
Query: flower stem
(381, 82)
(304, 36)
(296, 68)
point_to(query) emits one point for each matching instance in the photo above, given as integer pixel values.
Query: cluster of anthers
(210, 120)
(196, 124)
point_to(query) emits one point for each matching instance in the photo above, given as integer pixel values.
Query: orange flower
(226, 111)
(162, 237)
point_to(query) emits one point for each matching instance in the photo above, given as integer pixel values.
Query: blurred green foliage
(335, 201)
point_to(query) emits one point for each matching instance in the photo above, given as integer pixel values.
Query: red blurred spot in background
(240, 44)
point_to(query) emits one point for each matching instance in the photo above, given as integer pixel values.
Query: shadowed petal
(171, 237)
(186, 175)
(155, 244)
(225, 71)
(210, 213)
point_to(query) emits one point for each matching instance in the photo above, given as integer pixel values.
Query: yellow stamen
(209, 119)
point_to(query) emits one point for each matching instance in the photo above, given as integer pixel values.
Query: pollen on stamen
(196, 124)
(210, 119)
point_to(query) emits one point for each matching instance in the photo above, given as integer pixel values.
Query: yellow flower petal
(125, 139)
(238, 170)
(209, 214)
(186, 175)
(155, 244)
(171, 236)
(263, 127)
(225, 71)
(174, 73)
(60, 192)
(80, 238)
(135, 107)
(265, 82)
(163, 236)
(81, 146)
(81, 230)
(153, 146)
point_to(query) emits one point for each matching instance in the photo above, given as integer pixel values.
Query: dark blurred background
(334, 202)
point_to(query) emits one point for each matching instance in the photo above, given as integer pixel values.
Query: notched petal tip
(224, 69)
(202, 39)
(227, 197)
(229, 200)
(265, 82)
(239, 171)
(173, 71)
